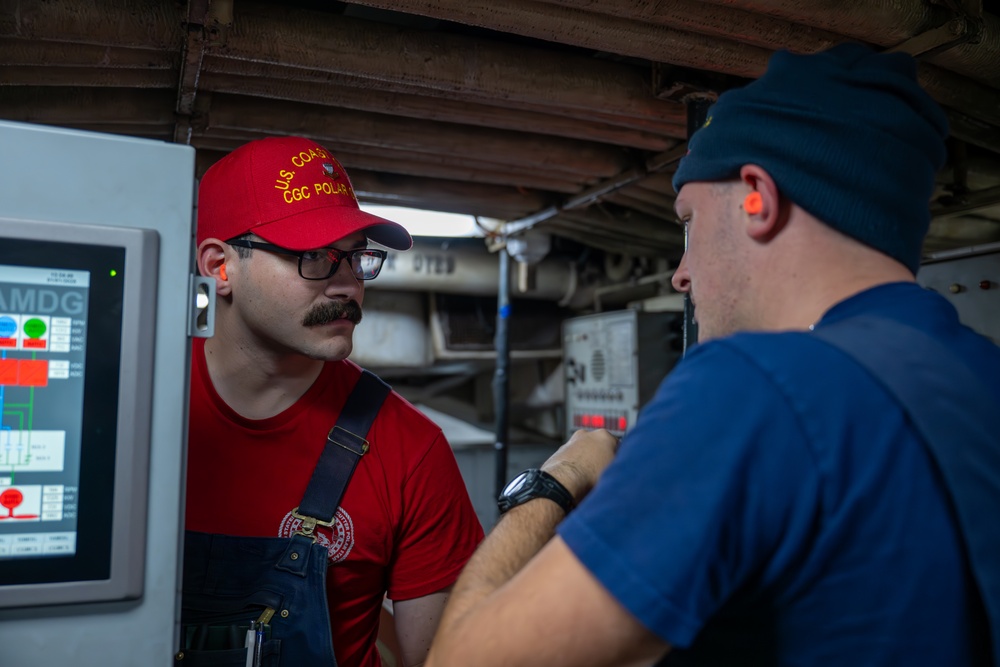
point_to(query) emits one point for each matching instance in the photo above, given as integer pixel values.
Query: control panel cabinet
(96, 239)
(614, 362)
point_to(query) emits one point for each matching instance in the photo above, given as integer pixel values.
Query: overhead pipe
(593, 194)
(656, 203)
(591, 228)
(626, 199)
(967, 251)
(465, 266)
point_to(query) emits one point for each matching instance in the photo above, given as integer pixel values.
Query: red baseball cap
(291, 192)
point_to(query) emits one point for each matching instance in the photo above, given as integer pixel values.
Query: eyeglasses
(323, 263)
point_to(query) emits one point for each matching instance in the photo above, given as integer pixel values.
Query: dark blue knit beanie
(847, 134)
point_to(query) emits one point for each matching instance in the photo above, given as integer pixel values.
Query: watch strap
(540, 485)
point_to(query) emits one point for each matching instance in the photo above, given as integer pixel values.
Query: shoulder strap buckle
(309, 523)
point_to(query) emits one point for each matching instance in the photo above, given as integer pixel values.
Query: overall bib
(955, 414)
(269, 593)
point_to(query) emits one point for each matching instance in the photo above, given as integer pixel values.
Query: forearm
(523, 531)
(520, 566)
(518, 536)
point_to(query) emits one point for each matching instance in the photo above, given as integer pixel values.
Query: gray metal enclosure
(82, 178)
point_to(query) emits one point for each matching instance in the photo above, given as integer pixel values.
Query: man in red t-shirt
(280, 230)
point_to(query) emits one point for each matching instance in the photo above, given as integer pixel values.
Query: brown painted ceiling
(566, 116)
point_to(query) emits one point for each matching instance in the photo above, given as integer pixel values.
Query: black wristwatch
(534, 483)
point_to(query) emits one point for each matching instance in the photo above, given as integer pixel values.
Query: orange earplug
(222, 272)
(753, 204)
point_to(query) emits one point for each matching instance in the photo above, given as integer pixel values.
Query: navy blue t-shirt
(773, 506)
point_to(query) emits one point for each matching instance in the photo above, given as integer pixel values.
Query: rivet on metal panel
(955, 288)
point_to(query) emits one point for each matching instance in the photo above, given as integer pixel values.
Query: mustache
(333, 311)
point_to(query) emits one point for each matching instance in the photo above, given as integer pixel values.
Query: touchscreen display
(43, 342)
(60, 343)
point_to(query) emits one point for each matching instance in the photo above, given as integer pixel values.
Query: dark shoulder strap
(958, 418)
(345, 445)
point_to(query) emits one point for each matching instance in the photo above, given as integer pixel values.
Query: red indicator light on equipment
(622, 423)
(598, 421)
(586, 420)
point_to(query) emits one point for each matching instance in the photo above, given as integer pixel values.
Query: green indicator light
(35, 328)
(113, 273)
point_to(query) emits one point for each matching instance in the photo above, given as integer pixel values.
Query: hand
(579, 463)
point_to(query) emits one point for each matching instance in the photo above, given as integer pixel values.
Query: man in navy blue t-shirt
(774, 504)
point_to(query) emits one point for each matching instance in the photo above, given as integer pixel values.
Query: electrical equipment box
(96, 236)
(970, 279)
(614, 362)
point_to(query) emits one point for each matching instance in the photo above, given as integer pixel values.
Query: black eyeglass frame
(333, 254)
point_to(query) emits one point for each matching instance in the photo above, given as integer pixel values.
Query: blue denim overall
(955, 414)
(276, 585)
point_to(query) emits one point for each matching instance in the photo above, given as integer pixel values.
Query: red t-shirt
(405, 524)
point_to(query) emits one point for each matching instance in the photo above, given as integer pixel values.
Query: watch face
(531, 484)
(515, 485)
